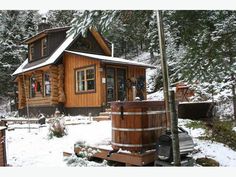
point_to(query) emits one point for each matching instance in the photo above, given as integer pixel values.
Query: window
(44, 47)
(47, 85)
(32, 86)
(31, 52)
(35, 86)
(85, 79)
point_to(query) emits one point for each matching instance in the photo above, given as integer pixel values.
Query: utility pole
(164, 65)
(168, 97)
(174, 130)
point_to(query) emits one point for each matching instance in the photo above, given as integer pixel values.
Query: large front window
(85, 79)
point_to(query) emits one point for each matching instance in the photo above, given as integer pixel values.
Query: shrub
(222, 132)
(57, 128)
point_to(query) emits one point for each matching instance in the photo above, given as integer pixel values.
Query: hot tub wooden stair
(103, 115)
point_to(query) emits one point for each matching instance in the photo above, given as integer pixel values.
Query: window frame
(31, 52)
(76, 81)
(31, 94)
(44, 85)
(44, 47)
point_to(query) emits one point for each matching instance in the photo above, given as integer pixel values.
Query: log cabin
(75, 74)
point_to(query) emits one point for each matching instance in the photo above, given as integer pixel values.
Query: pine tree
(128, 30)
(60, 18)
(15, 26)
(210, 39)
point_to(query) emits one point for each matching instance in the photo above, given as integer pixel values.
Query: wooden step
(101, 118)
(108, 110)
(104, 113)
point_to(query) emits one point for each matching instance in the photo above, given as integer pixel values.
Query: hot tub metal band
(137, 129)
(133, 145)
(139, 113)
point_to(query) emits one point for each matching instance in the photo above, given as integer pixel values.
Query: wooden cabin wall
(21, 93)
(54, 84)
(60, 78)
(135, 72)
(73, 99)
(39, 99)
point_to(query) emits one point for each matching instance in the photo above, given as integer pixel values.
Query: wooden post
(164, 65)
(174, 130)
(27, 101)
(169, 99)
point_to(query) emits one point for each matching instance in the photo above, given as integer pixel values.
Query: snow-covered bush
(84, 150)
(57, 128)
(75, 161)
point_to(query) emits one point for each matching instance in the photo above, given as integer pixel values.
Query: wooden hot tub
(136, 125)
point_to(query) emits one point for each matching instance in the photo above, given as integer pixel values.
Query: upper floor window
(44, 47)
(31, 51)
(85, 79)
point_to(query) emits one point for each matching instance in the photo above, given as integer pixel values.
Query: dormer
(43, 44)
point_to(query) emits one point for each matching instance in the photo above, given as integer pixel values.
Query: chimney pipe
(43, 24)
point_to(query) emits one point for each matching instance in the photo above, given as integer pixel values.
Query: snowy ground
(34, 149)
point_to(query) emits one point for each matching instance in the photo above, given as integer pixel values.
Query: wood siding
(87, 45)
(136, 72)
(93, 99)
(53, 42)
(21, 93)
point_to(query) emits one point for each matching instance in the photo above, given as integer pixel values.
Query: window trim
(43, 53)
(76, 85)
(44, 86)
(31, 50)
(30, 87)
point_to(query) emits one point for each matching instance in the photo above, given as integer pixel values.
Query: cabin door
(116, 89)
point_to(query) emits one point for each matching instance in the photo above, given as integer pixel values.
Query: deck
(125, 157)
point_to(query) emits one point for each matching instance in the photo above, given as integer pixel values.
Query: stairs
(103, 115)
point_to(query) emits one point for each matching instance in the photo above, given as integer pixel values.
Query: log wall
(57, 87)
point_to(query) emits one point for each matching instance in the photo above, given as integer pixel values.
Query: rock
(204, 161)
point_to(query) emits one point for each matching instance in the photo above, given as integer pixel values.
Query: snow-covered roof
(24, 67)
(108, 59)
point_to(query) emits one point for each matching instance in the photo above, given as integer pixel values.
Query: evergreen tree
(15, 26)
(210, 39)
(60, 18)
(127, 29)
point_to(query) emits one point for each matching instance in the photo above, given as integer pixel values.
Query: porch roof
(114, 60)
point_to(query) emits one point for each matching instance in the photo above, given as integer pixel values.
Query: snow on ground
(157, 96)
(218, 151)
(33, 148)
